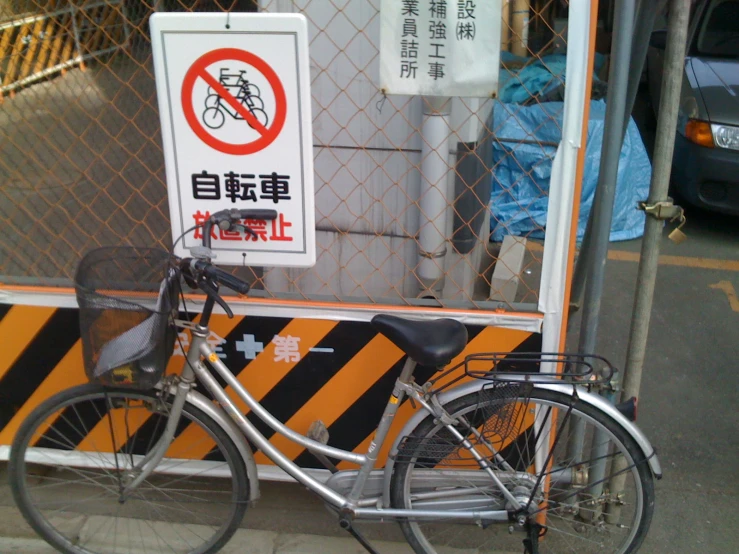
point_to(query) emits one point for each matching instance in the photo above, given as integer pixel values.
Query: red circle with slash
(198, 70)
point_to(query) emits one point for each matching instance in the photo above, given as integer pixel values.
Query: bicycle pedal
(318, 432)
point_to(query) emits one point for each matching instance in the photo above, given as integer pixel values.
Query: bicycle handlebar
(204, 275)
(226, 219)
(221, 277)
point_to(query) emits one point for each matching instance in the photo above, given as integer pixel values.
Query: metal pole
(646, 14)
(606, 191)
(669, 105)
(433, 200)
(622, 37)
(579, 275)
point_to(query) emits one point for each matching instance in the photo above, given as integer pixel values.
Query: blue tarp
(521, 171)
(536, 77)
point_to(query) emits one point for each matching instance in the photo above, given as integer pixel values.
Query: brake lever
(212, 292)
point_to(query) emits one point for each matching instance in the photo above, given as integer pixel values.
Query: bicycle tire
(431, 445)
(154, 509)
(212, 101)
(250, 89)
(260, 116)
(213, 117)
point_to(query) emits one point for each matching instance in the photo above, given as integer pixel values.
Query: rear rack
(567, 368)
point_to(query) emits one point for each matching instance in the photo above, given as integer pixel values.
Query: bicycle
(246, 93)
(172, 469)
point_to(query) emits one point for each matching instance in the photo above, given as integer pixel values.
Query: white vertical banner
(440, 47)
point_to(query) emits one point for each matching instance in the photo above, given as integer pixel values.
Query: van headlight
(725, 136)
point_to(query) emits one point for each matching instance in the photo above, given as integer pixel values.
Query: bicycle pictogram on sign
(216, 109)
(234, 96)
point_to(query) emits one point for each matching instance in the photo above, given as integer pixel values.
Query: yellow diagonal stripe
(340, 393)
(17, 329)
(259, 377)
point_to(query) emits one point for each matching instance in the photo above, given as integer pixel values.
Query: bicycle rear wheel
(523, 425)
(73, 455)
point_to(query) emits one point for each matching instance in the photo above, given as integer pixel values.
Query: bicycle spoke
(530, 436)
(180, 508)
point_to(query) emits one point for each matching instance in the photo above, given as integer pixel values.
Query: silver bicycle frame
(349, 504)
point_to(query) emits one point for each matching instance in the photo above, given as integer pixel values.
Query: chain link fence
(81, 162)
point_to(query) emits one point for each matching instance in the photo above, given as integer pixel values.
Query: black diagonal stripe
(71, 426)
(146, 436)
(263, 328)
(314, 371)
(4, 309)
(39, 358)
(362, 417)
(532, 344)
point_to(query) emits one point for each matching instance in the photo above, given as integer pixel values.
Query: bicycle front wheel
(524, 432)
(74, 454)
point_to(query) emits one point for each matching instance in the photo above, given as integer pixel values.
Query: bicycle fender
(473, 386)
(205, 405)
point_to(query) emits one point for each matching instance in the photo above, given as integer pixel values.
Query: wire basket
(491, 426)
(128, 300)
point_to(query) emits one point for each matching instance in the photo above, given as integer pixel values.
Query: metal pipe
(605, 193)
(520, 27)
(661, 167)
(669, 106)
(646, 14)
(614, 129)
(580, 274)
(432, 201)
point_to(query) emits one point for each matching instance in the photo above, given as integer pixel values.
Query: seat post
(383, 428)
(407, 373)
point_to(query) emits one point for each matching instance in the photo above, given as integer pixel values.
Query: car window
(719, 32)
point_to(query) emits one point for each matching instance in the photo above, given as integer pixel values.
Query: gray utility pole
(669, 105)
(602, 216)
(605, 193)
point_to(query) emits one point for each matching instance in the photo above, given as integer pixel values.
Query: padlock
(677, 236)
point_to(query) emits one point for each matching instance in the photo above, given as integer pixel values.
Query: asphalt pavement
(687, 405)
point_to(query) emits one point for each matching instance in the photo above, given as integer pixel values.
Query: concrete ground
(687, 406)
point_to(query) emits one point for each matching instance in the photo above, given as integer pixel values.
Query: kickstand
(533, 532)
(346, 524)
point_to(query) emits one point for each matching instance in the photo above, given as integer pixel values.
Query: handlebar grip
(227, 280)
(264, 215)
